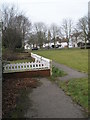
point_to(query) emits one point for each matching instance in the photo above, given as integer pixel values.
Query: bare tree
(76, 34)
(67, 28)
(33, 40)
(83, 27)
(54, 32)
(49, 38)
(40, 29)
(89, 21)
(24, 25)
(9, 14)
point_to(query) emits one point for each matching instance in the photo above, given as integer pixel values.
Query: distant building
(27, 46)
(59, 43)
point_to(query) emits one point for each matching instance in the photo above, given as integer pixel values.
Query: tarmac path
(71, 73)
(49, 101)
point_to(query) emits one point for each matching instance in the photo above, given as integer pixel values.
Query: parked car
(70, 46)
(35, 48)
(87, 46)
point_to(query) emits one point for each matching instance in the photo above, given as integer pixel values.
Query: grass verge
(56, 73)
(77, 89)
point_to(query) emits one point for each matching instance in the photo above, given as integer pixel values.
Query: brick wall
(28, 74)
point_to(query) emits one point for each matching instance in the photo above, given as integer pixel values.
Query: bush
(57, 72)
(19, 49)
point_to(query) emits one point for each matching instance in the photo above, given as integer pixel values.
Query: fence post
(42, 63)
(50, 67)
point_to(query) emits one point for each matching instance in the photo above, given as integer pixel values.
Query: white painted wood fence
(39, 64)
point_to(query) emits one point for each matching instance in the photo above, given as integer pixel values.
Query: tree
(14, 23)
(67, 28)
(49, 38)
(9, 14)
(12, 39)
(76, 34)
(40, 30)
(83, 27)
(33, 40)
(89, 26)
(54, 32)
(24, 25)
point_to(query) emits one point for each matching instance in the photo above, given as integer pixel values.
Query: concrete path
(49, 101)
(70, 72)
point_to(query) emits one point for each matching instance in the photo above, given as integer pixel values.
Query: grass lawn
(74, 58)
(77, 89)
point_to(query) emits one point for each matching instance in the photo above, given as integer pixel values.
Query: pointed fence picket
(39, 64)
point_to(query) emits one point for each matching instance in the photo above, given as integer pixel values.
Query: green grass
(74, 58)
(56, 73)
(77, 89)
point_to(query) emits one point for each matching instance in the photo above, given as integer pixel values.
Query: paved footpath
(49, 101)
(71, 73)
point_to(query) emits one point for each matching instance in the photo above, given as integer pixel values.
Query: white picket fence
(40, 58)
(39, 64)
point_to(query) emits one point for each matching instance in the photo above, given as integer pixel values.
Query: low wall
(27, 74)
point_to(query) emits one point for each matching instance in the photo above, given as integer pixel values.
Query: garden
(76, 88)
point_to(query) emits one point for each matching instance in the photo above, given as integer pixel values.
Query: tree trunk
(68, 43)
(85, 43)
(54, 43)
(76, 40)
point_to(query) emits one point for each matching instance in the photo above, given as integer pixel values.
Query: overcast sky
(51, 11)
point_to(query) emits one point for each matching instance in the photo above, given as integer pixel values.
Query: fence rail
(40, 58)
(39, 64)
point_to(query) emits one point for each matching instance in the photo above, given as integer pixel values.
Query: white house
(27, 46)
(78, 42)
(57, 44)
(63, 44)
